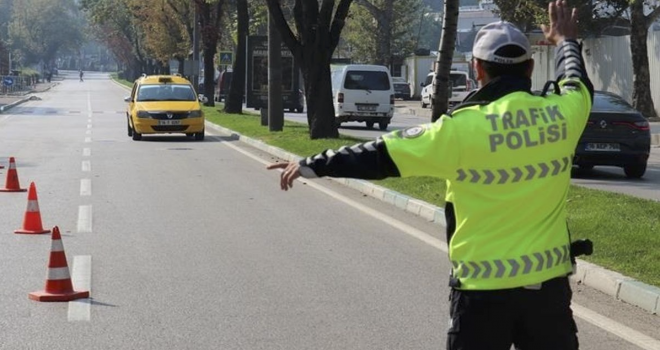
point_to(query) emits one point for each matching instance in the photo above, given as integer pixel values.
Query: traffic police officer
(506, 154)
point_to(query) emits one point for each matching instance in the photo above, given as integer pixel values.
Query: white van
(461, 86)
(363, 93)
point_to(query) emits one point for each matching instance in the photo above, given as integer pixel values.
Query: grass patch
(625, 229)
(127, 83)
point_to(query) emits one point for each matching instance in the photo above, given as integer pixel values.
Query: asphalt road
(192, 245)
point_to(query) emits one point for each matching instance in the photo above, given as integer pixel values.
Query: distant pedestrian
(81, 75)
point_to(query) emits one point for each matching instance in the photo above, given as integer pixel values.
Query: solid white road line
(86, 165)
(588, 315)
(616, 328)
(85, 218)
(85, 187)
(81, 277)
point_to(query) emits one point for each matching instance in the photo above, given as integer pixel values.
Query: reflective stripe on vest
(512, 267)
(515, 174)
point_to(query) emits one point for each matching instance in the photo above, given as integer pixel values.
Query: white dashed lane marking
(81, 278)
(85, 187)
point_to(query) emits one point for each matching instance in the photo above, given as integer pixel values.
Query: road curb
(25, 98)
(609, 282)
(13, 104)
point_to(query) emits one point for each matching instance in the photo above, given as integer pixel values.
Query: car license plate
(367, 108)
(607, 147)
(169, 122)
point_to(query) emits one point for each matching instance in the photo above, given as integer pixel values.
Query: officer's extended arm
(569, 65)
(368, 160)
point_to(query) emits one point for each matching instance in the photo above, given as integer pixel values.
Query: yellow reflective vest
(507, 165)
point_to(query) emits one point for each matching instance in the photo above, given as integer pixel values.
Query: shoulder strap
(548, 85)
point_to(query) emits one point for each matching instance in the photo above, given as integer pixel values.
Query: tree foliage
(378, 30)
(119, 28)
(593, 17)
(39, 29)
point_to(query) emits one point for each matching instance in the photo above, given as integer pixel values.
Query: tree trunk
(210, 18)
(445, 58)
(384, 40)
(234, 100)
(209, 74)
(319, 35)
(318, 93)
(641, 97)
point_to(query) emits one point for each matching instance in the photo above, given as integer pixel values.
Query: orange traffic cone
(12, 184)
(32, 218)
(58, 285)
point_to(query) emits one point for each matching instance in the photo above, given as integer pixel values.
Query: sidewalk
(9, 101)
(609, 282)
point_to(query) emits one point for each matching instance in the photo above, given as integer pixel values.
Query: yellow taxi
(164, 104)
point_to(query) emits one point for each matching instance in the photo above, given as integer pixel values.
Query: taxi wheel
(199, 136)
(136, 136)
(128, 127)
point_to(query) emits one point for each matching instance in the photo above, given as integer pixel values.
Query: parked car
(461, 86)
(164, 104)
(401, 88)
(224, 81)
(363, 93)
(616, 135)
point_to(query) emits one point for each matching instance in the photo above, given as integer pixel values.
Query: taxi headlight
(195, 114)
(143, 114)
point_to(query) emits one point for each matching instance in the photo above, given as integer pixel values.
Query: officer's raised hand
(563, 23)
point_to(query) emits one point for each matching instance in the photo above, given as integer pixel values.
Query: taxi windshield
(165, 92)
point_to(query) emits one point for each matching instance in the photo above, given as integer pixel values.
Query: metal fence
(609, 65)
(16, 85)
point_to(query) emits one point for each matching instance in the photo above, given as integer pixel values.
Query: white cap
(494, 36)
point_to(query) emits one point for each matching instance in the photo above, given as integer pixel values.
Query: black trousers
(529, 319)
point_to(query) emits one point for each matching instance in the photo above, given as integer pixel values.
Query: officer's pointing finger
(574, 15)
(559, 11)
(277, 166)
(551, 11)
(568, 12)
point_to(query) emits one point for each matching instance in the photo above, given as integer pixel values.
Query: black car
(223, 85)
(616, 135)
(401, 89)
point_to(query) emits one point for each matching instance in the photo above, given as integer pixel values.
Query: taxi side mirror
(127, 99)
(202, 99)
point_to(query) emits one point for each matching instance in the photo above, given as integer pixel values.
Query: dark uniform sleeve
(577, 92)
(569, 66)
(369, 161)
